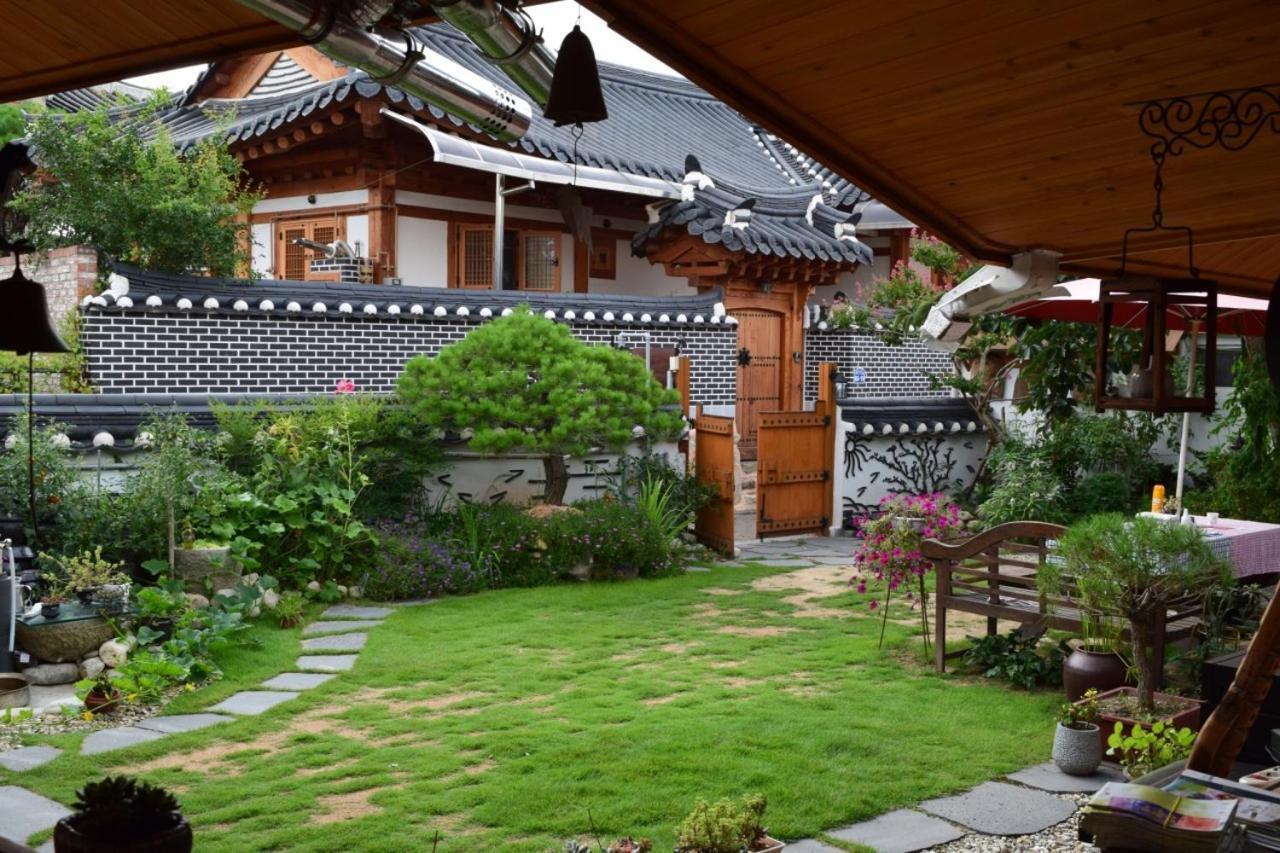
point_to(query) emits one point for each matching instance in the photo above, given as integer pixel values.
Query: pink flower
(345, 386)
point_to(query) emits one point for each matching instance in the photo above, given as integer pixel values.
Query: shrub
(622, 537)
(1015, 659)
(687, 493)
(723, 827)
(410, 566)
(57, 485)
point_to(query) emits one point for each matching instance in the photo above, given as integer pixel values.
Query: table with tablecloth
(1251, 547)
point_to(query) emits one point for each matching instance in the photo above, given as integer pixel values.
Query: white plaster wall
(422, 252)
(358, 232)
(293, 203)
(263, 249)
(639, 277)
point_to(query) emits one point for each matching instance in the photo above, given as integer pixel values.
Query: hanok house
(413, 192)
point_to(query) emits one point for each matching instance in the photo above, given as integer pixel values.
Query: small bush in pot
(122, 814)
(726, 827)
(100, 695)
(1077, 750)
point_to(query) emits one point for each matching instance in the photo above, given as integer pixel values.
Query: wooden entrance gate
(759, 372)
(795, 466)
(713, 461)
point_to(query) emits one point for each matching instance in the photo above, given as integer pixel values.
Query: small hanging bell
(26, 327)
(576, 96)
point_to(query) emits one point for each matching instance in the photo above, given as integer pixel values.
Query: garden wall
(871, 367)
(915, 446)
(175, 334)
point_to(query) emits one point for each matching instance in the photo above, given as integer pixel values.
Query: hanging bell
(26, 327)
(576, 97)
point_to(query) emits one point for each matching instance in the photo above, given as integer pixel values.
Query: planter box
(1189, 718)
(194, 565)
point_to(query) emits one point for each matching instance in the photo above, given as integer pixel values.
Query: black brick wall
(891, 371)
(158, 351)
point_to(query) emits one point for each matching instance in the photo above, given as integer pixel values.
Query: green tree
(12, 122)
(116, 181)
(523, 382)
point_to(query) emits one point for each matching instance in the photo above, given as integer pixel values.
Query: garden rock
(270, 598)
(52, 673)
(354, 591)
(113, 653)
(252, 579)
(92, 667)
(314, 586)
(197, 600)
(342, 590)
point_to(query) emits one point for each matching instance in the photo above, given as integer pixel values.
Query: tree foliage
(523, 382)
(1245, 468)
(116, 181)
(12, 122)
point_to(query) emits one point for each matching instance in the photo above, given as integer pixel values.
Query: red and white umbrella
(1077, 302)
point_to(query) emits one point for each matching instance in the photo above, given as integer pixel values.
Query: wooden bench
(993, 574)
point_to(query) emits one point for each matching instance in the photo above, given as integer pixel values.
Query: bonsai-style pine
(1135, 568)
(523, 382)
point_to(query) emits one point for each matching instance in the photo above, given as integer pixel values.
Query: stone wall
(871, 367)
(68, 275)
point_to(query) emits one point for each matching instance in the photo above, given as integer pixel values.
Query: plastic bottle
(1157, 498)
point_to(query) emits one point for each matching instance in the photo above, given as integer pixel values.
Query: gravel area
(1060, 838)
(51, 723)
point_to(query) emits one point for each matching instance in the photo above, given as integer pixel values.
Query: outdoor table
(76, 629)
(1251, 547)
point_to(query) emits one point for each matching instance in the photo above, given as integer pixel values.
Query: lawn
(519, 718)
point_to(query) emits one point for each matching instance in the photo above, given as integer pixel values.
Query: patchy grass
(516, 719)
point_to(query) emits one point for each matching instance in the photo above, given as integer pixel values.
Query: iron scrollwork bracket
(1229, 120)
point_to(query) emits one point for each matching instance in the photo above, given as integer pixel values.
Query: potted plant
(91, 577)
(1095, 661)
(1144, 750)
(99, 694)
(1135, 568)
(1077, 749)
(726, 828)
(199, 562)
(119, 814)
(51, 603)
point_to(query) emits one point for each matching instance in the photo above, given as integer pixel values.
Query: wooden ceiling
(1002, 126)
(999, 126)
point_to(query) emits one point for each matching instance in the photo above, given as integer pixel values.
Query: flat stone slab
(296, 681)
(23, 813)
(336, 643)
(696, 569)
(901, 831)
(811, 845)
(52, 697)
(28, 757)
(995, 808)
(326, 663)
(785, 563)
(356, 611)
(1047, 777)
(105, 740)
(182, 723)
(338, 626)
(253, 702)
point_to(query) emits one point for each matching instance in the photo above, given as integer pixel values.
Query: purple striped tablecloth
(1251, 547)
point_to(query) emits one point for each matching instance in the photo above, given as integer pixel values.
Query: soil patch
(813, 584)
(678, 648)
(762, 631)
(720, 590)
(335, 808)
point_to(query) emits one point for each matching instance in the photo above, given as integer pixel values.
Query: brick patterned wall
(890, 371)
(132, 351)
(68, 275)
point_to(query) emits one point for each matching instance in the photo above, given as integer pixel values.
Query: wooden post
(1224, 733)
(581, 267)
(826, 405)
(382, 229)
(686, 403)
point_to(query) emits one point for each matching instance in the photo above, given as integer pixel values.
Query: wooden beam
(382, 227)
(315, 63)
(581, 267)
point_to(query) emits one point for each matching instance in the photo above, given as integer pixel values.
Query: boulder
(251, 579)
(92, 667)
(314, 586)
(113, 653)
(270, 598)
(47, 674)
(354, 591)
(195, 566)
(342, 590)
(196, 600)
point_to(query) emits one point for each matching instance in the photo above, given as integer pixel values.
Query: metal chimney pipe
(395, 59)
(507, 38)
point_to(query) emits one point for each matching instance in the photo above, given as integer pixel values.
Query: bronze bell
(576, 97)
(26, 327)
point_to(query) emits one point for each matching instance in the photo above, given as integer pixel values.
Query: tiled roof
(283, 77)
(896, 416)
(796, 223)
(133, 289)
(92, 97)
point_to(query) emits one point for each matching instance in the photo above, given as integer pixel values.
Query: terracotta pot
(101, 703)
(67, 839)
(1077, 751)
(1085, 668)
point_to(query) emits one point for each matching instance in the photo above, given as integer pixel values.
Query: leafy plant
(724, 827)
(1134, 568)
(123, 811)
(411, 565)
(88, 570)
(1144, 750)
(123, 187)
(1081, 714)
(525, 382)
(1014, 658)
(57, 484)
(1245, 466)
(289, 608)
(656, 502)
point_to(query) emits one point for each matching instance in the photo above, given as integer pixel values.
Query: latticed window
(531, 259)
(292, 260)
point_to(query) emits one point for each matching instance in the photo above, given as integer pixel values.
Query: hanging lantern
(576, 97)
(1152, 387)
(26, 327)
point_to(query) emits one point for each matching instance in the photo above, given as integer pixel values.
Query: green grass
(519, 718)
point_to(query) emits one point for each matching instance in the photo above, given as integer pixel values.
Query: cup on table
(1212, 518)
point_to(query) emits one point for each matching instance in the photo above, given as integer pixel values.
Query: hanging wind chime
(26, 329)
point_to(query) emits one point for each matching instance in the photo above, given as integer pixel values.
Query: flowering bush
(889, 554)
(410, 565)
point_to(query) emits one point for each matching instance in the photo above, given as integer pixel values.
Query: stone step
(24, 813)
(336, 643)
(106, 740)
(356, 611)
(28, 757)
(297, 680)
(339, 626)
(325, 663)
(253, 702)
(177, 723)
(901, 831)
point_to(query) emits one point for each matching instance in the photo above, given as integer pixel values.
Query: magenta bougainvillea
(888, 557)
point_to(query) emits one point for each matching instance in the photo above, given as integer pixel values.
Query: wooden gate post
(827, 406)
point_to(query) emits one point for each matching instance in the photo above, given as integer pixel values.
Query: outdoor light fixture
(26, 327)
(576, 97)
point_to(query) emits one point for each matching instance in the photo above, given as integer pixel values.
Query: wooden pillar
(382, 228)
(899, 247)
(581, 267)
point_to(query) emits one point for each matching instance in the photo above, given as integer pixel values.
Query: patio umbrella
(1077, 302)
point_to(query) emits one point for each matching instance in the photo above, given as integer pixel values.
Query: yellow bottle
(1157, 498)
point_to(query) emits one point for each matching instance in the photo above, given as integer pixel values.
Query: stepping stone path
(253, 702)
(901, 831)
(23, 813)
(338, 626)
(28, 758)
(336, 643)
(997, 808)
(297, 680)
(1047, 777)
(355, 611)
(326, 663)
(181, 723)
(105, 740)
